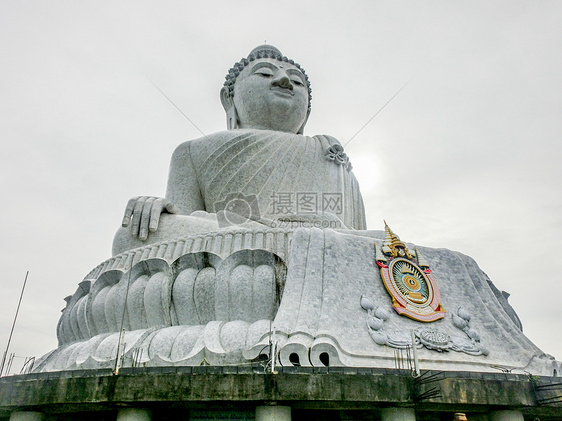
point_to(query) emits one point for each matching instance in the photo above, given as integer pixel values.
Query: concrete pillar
(27, 416)
(506, 416)
(398, 414)
(273, 413)
(134, 414)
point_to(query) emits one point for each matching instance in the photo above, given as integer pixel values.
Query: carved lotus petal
(381, 313)
(464, 314)
(374, 323)
(459, 322)
(399, 338)
(366, 303)
(379, 337)
(473, 334)
(483, 349)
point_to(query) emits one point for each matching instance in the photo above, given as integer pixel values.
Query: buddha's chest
(271, 169)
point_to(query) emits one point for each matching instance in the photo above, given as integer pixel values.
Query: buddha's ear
(228, 105)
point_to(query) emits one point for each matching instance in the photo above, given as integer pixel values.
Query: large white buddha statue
(263, 169)
(260, 249)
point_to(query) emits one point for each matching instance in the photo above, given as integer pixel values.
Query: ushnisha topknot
(263, 51)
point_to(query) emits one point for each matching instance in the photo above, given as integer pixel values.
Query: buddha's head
(266, 91)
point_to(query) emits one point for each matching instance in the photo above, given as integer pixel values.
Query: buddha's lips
(282, 90)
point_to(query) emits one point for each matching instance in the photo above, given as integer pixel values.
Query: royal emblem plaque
(414, 293)
(408, 280)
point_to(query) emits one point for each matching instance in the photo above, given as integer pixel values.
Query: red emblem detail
(404, 305)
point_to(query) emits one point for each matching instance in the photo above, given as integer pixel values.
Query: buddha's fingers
(171, 208)
(155, 213)
(146, 215)
(129, 211)
(137, 214)
(160, 205)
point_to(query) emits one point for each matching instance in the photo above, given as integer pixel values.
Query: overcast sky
(466, 157)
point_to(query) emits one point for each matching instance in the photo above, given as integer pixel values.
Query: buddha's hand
(143, 214)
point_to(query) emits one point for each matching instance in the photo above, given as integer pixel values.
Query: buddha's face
(271, 95)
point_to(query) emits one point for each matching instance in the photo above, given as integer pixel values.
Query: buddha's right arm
(183, 196)
(183, 185)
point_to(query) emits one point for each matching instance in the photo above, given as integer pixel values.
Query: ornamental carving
(428, 337)
(407, 278)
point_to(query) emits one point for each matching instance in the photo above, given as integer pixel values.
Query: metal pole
(120, 348)
(416, 362)
(13, 325)
(273, 353)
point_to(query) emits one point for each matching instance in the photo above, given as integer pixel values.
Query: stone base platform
(339, 393)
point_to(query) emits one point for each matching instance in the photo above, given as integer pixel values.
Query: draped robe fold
(276, 166)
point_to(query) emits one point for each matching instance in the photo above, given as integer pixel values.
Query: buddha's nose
(283, 81)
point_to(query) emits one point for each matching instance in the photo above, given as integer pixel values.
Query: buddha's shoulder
(212, 142)
(205, 140)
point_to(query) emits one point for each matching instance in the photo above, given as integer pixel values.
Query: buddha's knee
(170, 227)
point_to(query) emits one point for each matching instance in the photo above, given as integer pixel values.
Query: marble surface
(260, 243)
(223, 310)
